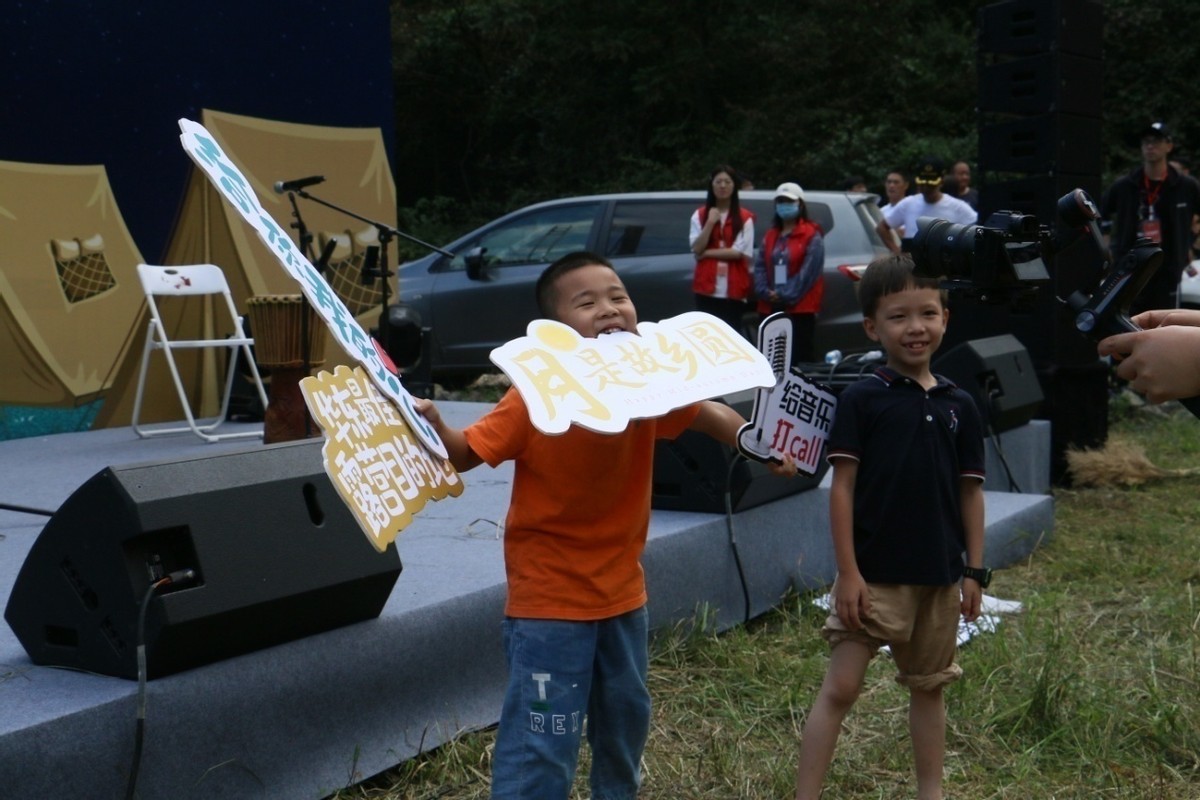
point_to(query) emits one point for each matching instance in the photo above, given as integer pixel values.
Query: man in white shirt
(929, 202)
(895, 189)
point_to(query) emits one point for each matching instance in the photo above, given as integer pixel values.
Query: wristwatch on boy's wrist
(982, 575)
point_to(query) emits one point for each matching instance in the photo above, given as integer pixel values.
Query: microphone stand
(305, 239)
(386, 234)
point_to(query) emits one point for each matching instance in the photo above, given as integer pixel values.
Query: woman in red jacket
(789, 270)
(722, 239)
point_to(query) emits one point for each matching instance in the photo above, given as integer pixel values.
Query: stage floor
(305, 718)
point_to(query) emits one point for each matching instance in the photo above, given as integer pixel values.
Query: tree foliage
(504, 102)
(1149, 69)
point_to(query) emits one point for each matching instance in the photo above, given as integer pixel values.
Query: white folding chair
(194, 280)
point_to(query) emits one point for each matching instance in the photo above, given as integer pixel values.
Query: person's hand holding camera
(1162, 361)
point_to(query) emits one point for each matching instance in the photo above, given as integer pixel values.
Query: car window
(821, 214)
(870, 214)
(858, 235)
(534, 238)
(649, 229)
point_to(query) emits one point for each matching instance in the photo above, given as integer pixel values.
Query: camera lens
(943, 248)
(1023, 227)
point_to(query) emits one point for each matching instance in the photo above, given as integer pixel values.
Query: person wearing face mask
(722, 239)
(789, 269)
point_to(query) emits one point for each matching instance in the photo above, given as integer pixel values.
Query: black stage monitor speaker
(277, 557)
(691, 473)
(999, 374)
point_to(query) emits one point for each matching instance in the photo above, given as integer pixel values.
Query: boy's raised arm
(462, 457)
(722, 423)
(719, 421)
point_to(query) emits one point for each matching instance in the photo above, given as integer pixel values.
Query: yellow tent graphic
(69, 292)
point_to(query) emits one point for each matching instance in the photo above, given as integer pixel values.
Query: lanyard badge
(1150, 226)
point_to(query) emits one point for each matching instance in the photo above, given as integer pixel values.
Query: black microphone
(299, 183)
(370, 265)
(326, 253)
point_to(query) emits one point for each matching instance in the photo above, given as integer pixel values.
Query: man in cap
(1156, 202)
(930, 201)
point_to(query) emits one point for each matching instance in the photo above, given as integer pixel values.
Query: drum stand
(286, 417)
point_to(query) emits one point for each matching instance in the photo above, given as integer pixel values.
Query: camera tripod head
(1106, 310)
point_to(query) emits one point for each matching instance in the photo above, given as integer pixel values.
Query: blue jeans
(558, 672)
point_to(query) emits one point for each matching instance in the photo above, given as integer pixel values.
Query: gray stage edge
(306, 718)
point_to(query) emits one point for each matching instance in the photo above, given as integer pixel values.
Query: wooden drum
(276, 323)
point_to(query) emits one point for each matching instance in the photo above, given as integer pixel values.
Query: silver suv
(471, 311)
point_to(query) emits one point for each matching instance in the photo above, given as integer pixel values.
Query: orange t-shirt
(579, 513)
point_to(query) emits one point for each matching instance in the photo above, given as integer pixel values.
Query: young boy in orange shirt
(575, 626)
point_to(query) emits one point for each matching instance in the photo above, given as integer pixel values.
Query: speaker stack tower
(1040, 71)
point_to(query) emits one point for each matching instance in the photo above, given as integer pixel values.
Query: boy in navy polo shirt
(906, 504)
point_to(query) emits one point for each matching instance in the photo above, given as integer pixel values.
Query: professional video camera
(1006, 261)
(1002, 261)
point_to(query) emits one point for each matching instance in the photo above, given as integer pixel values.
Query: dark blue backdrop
(105, 83)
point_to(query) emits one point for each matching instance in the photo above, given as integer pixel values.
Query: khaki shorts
(919, 623)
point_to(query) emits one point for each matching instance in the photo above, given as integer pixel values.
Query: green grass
(1092, 692)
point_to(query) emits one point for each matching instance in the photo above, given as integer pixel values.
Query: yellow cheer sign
(375, 461)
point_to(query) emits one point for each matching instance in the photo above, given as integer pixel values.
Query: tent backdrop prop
(208, 230)
(69, 292)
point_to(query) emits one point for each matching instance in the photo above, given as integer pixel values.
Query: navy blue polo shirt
(912, 446)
